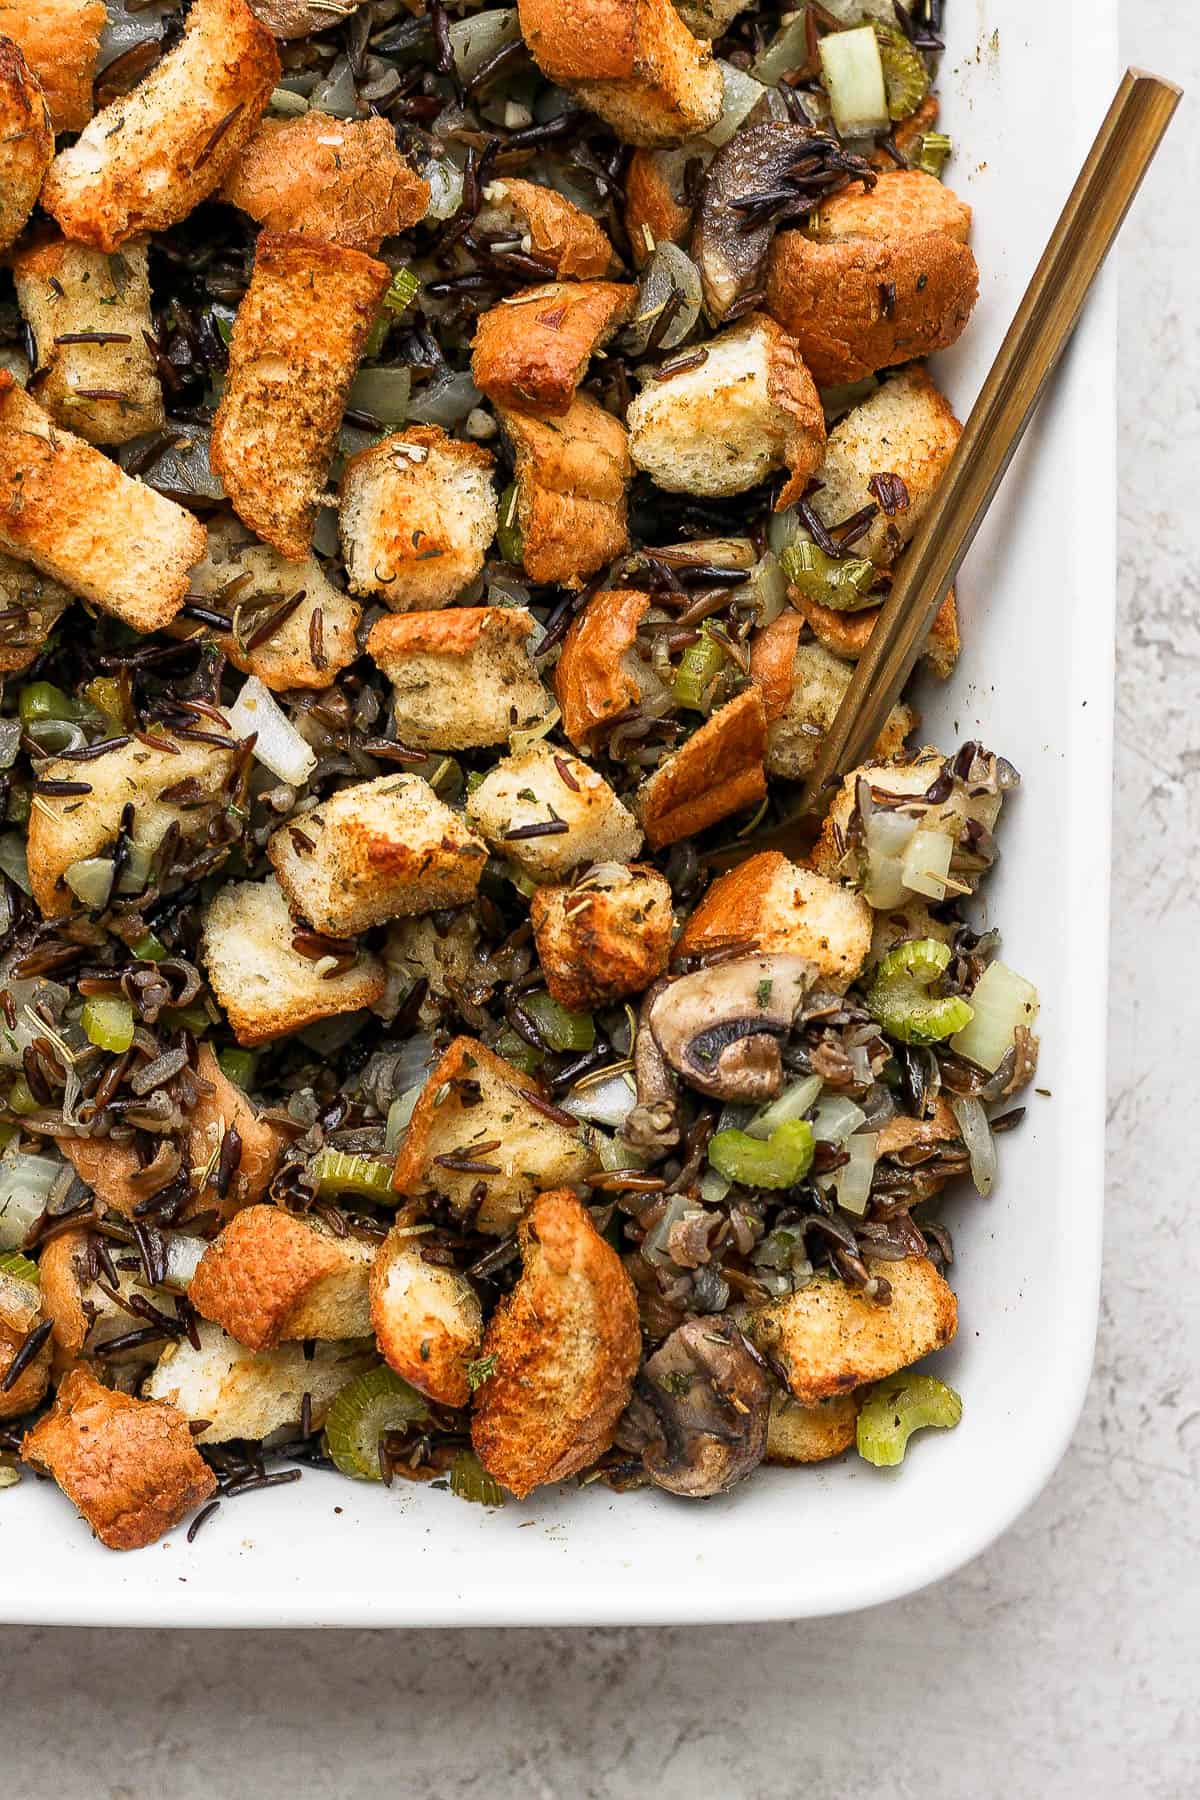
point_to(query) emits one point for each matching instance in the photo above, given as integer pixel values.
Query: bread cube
(532, 349)
(548, 812)
(571, 476)
(810, 1434)
(714, 773)
(599, 672)
(774, 906)
(244, 1393)
(549, 226)
(338, 179)
(606, 936)
(632, 61)
(803, 686)
(427, 1319)
(26, 141)
(271, 1276)
(462, 678)
(60, 41)
(417, 514)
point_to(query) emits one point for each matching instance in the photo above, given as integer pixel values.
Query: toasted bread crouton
(460, 679)
(128, 1466)
(656, 205)
(723, 425)
(909, 1139)
(26, 141)
(810, 1434)
(417, 514)
(718, 771)
(249, 1394)
(63, 830)
(599, 672)
(72, 292)
(905, 429)
(146, 160)
(770, 902)
(247, 581)
(632, 61)
(803, 687)
(338, 179)
(902, 203)
(266, 987)
(533, 348)
(30, 607)
(430, 951)
(907, 774)
(427, 1319)
(60, 40)
(89, 1313)
(297, 339)
(571, 474)
(379, 851)
(80, 519)
(847, 634)
(542, 786)
(549, 226)
(21, 1311)
(826, 1338)
(566, 1344)
(607, 936)
(271, 1276)
(476, 1108)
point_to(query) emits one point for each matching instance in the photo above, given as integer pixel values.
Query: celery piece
(108, 1022)
(896, 1408)
(514, 1049)
(365, 1408)
(106, 695)
(775, 1162)
(901, 996)
(402, 291)
(16, 1267)
(20, 1098)
(510, 540)
(471, 1481)
(562, 1029)
(699, 667)
(1001, 1001)
(905, 77)
(149, 948)
(187, 1018)
(239, 1066)
(337, 1172)
(843, 583)
(933, 153)
(42, 700)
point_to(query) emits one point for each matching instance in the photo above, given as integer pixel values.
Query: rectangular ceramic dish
(1024, 90)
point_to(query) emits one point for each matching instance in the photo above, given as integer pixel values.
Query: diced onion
(793, 1103)
(279, 746)
(384, 393)
(714, 1187)
(787, 50)
(90, 880)
(977, 1136)
(10, 742)
(742, 95)
(849, 12)
(26, 1183)
(1001, 1000)
(888, 836)
(336, 95)
(12, 860)
(399, 1114)
(836, 1118)
(927, 863)
(519, 741)
(183, 1259)
(852, 71)
(284, 101)
(608, 1102)
(446, 400)
(852, 1182)
(616, 1152)
(476, 39)
(654, 1246)
(445, 189)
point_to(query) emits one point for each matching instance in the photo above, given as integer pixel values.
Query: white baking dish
(1024, 90)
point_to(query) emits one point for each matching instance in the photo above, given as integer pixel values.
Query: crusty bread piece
(908, 773)
(246, 580)
(474, 1108)
(566, 1343)
(66, 291)
(297, 339)
(902, 203)
(607, 936)
(905, 428)
(656, 211)
(417, 514)
(571, 476)
(22, 1310)
(85, 1316)
(716, 772)
(847, 634)
(632, 61)
(80, 519)
(271, 1276)
(532, 349)
(380, 850)
(461, 678)
(31, 605)
(549, 226)
(599, 673)
(129, 1466)
(147, 159)
(802, 687)
(428, 950)
(541, 785)
(826, 1339)
(902, 1135)
(810, 1434)
(771, 903)
(338, 179)
(63, 829)
(267, 988)
(249, 1394)
(721, 426)
(427, 1319)
(60, 40)
(26, 141)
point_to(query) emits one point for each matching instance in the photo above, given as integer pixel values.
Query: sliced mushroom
(720, 1028)
(764, 175)
(700, 1410)
(297, 18)
(653, 1125)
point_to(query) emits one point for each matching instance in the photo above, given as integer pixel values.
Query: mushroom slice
(720, 1028)
(297, 18)
(700, 1410)
(654, 1124)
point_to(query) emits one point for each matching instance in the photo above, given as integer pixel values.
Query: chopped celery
(852, 71)
(337, 1172)
(16, 1267)
(471, 1481)
(108, 1022)
(402, 291)
(42, 700)
(514, 1049)
(896, 1408)
(8, 1132)
(106, 694)
(1001, 1000)
(905, 77)
(510, 540)
(843, 583)
(900, 996)
(239, 1066)
(836, 1118)
(187, 1018)
(562, 1030)
(365, 1408)
(378, 335)
(699, 667)
(778, 1162)
(933, 153)
(149, 948)
(20, 1098)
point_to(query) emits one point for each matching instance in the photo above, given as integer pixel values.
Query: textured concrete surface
(1065, 1661)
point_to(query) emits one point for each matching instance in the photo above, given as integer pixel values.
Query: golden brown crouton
(902, 1136)
(826, 1338)
(721, 426)
(26, 141)
(30, 607)
(541, 787)
(376, 851)
(718, 771)
(632, 61)
(607, 936)
(427, 1319)
(847, 634)
(84, 1316)
(902, 203)
(89, 314)
(417, 514)
(271, 1276)
(266, 987)
(802, 687)
(80, 519)
(810, 1434)
(533, 348)
(338, 179)
(129, 1466)
(243, 1393)
(462, 678)
(571, 475)
(21, 1312)
(769, 902)
(599, 673)
(297, 339)
(566, 1343)
(910, 774)
(656, 210)
(549, 226)
(60, 40)
(476, 1108)
(146, 160)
